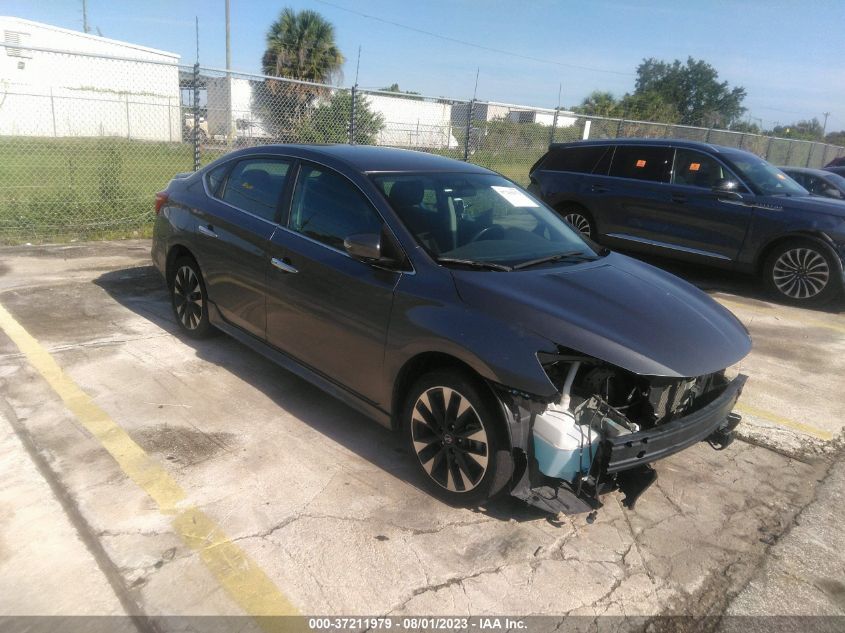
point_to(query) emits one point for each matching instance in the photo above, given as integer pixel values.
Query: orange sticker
(694, 166)
(640, 163)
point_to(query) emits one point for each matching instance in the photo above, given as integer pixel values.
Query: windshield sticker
(514, 196)
(640, 163)
(694, 166)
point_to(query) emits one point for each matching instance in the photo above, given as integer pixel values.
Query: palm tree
(301, 46)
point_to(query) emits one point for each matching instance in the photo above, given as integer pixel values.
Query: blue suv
(700, 203)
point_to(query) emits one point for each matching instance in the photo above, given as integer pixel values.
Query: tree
(746, 127)
(301, 46)
(599, 103)
(835, 138)
(329, 122)
(807, 130)
(693, 89)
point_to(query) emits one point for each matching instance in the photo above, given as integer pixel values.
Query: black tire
(458, 441)
(801, 271)
(579, 218)
(189, 299)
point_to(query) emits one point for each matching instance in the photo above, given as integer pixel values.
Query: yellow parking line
(799, 318)
(242, 578)
(779, 420)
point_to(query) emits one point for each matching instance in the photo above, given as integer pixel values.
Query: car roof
(371, 158)
(805, 170)
(671, 142)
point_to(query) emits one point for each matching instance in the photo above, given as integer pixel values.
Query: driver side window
(328, 208)
(695, 169)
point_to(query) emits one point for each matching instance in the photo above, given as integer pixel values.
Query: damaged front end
(606, 427)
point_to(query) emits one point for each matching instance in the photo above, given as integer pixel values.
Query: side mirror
(727, 188)
(364, 246)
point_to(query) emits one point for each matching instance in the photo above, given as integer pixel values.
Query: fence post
(741, 139)
(53, 111)
(788, 152)
(554, 125)
(768, 147)
(196, 130)
(707, 135)
(468, 128)
(619, 127)
(128, 128)
(352, 115)
(809, 154)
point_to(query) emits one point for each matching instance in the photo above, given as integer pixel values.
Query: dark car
(700, 203)
(819, 182)
(839, 170)
(445, 302)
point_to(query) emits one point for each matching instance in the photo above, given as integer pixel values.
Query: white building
(243, 118)
(81, 92)
(413, 122)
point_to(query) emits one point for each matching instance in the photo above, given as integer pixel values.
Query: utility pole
(824, 127)
(85, 17)
(230, 127)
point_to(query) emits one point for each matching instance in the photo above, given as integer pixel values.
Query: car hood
(817, 204)
(616, 309)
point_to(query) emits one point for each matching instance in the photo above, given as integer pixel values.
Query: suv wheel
(579, 219)
(188, 298)
(801, 271)
(456, 437)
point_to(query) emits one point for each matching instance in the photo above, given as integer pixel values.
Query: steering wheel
(488, 230)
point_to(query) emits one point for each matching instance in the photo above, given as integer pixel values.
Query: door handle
(207, 230)
(598, 189)
(283, 266)
(679, 198)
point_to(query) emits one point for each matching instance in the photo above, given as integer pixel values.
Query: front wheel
(456, 437)
(802, 272)
(579, 219)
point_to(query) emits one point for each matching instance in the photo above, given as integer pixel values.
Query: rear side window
(255, 185)
(642, 162)
(329, 208)
(215, 177)
(590, 159)
(695, 169)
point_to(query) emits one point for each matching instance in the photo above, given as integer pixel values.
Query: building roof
(8, 20)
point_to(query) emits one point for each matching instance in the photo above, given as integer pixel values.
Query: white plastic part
(563, 449)
(566, 398)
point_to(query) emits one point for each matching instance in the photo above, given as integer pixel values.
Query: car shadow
(712, 280)
(142, 290)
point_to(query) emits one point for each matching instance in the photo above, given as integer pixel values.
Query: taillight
(161, 198)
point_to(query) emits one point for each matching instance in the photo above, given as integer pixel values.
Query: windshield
(481, 221)
(767, 178)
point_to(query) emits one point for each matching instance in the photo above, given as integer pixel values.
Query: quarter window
(590, 159)
(642, 162)
(215, 177)
(695, 169)
(329, 208)
(255, 185)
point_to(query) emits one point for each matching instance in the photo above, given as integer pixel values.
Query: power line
(474, 45)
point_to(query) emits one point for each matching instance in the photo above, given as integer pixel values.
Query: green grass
(81, 188)
(66, 189)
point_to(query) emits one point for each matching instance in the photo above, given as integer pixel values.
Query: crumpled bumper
(630, 451)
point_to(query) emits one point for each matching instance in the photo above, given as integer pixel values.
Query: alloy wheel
(187, 297)
(450, 439)
(801, 273)
(579, 222)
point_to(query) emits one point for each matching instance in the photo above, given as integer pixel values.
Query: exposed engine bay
(607, 426)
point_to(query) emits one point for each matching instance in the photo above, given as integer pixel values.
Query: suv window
(328, 208)
(643, 162)
(695, 169)
(255, 185)
(590, 159)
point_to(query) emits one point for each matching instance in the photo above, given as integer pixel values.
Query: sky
(788, 55)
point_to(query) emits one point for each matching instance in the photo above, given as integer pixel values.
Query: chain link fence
(86, 140)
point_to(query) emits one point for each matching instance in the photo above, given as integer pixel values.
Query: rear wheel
(189, 299)
(802, 272)
(456, 437)
(579, 218)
